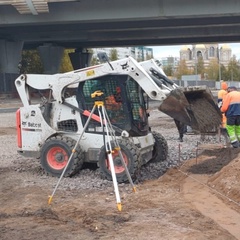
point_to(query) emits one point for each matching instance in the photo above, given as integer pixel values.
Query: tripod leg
(110, 158)
(119, 150)
(126, 168)
(70, 158)
(108, 148)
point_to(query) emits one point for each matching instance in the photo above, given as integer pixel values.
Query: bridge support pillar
(81, 58)
(51, 57)
(10, 56)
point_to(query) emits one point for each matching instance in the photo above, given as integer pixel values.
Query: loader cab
(123, 100)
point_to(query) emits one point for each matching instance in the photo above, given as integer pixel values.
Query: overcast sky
(173, 51)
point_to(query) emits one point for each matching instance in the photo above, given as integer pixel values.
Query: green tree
(168, 70)
(224, 73)
(213, 70)
(113, 54)
(182, 69)
(31, 62)
(200, 67)
(233, 73)
(94, 61)
(66, 65)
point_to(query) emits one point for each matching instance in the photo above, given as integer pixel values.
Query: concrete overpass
(95, 23)
(26, 24)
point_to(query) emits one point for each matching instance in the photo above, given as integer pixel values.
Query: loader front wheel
(131, 155)
(55, 154)
(160, 148)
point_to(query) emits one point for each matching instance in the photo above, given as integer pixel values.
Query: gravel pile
(29, 172)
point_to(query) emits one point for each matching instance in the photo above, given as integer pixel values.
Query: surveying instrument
(108, 138)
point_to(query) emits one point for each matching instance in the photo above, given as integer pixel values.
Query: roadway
(8, 110)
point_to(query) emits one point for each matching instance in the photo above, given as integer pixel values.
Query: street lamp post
(219, 63)
(196, 67)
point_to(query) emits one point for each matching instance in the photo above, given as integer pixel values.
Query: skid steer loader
(49, 129)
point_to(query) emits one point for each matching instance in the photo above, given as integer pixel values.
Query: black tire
(55, 154)
(160, 148)
(131, 155)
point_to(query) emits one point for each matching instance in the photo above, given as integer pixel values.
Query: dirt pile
(227, 179)
(184, 203)
(222, 170)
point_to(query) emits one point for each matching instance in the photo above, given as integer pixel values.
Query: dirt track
(190, 202)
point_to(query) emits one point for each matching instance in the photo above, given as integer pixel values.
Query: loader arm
(192, 105)
(59, 82)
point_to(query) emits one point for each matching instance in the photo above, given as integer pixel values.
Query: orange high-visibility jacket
(223, 92)
(231, 104)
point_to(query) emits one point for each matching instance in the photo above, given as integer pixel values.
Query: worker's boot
(180, 138)
(235, 144)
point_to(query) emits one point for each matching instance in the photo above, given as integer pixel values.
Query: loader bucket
(195, 107)
(175, 105)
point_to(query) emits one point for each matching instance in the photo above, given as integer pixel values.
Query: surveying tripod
(109, 132)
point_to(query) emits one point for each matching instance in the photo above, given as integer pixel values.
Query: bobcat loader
(48, 129)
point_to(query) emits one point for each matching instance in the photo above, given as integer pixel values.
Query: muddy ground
(198, 200)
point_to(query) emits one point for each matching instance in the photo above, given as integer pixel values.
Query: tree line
(31, 63)
(214, 70)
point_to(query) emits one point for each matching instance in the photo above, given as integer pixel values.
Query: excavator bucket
(193, 106)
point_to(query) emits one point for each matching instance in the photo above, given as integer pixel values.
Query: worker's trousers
(233, 128)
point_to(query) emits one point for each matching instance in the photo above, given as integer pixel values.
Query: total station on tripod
(98, 95)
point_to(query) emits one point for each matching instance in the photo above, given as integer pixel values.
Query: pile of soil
(200, 199)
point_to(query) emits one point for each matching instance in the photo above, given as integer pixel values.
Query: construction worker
(231, 107)
(221, 95)
(114, 101)
(222, 92)
(114, 106)
(182, 128)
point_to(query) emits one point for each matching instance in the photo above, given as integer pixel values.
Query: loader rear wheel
(55, 154)
(131, 156)
(160, 148)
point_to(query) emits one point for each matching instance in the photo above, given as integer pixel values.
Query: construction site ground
(199, 200)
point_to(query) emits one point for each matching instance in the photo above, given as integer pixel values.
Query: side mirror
(103, 58)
